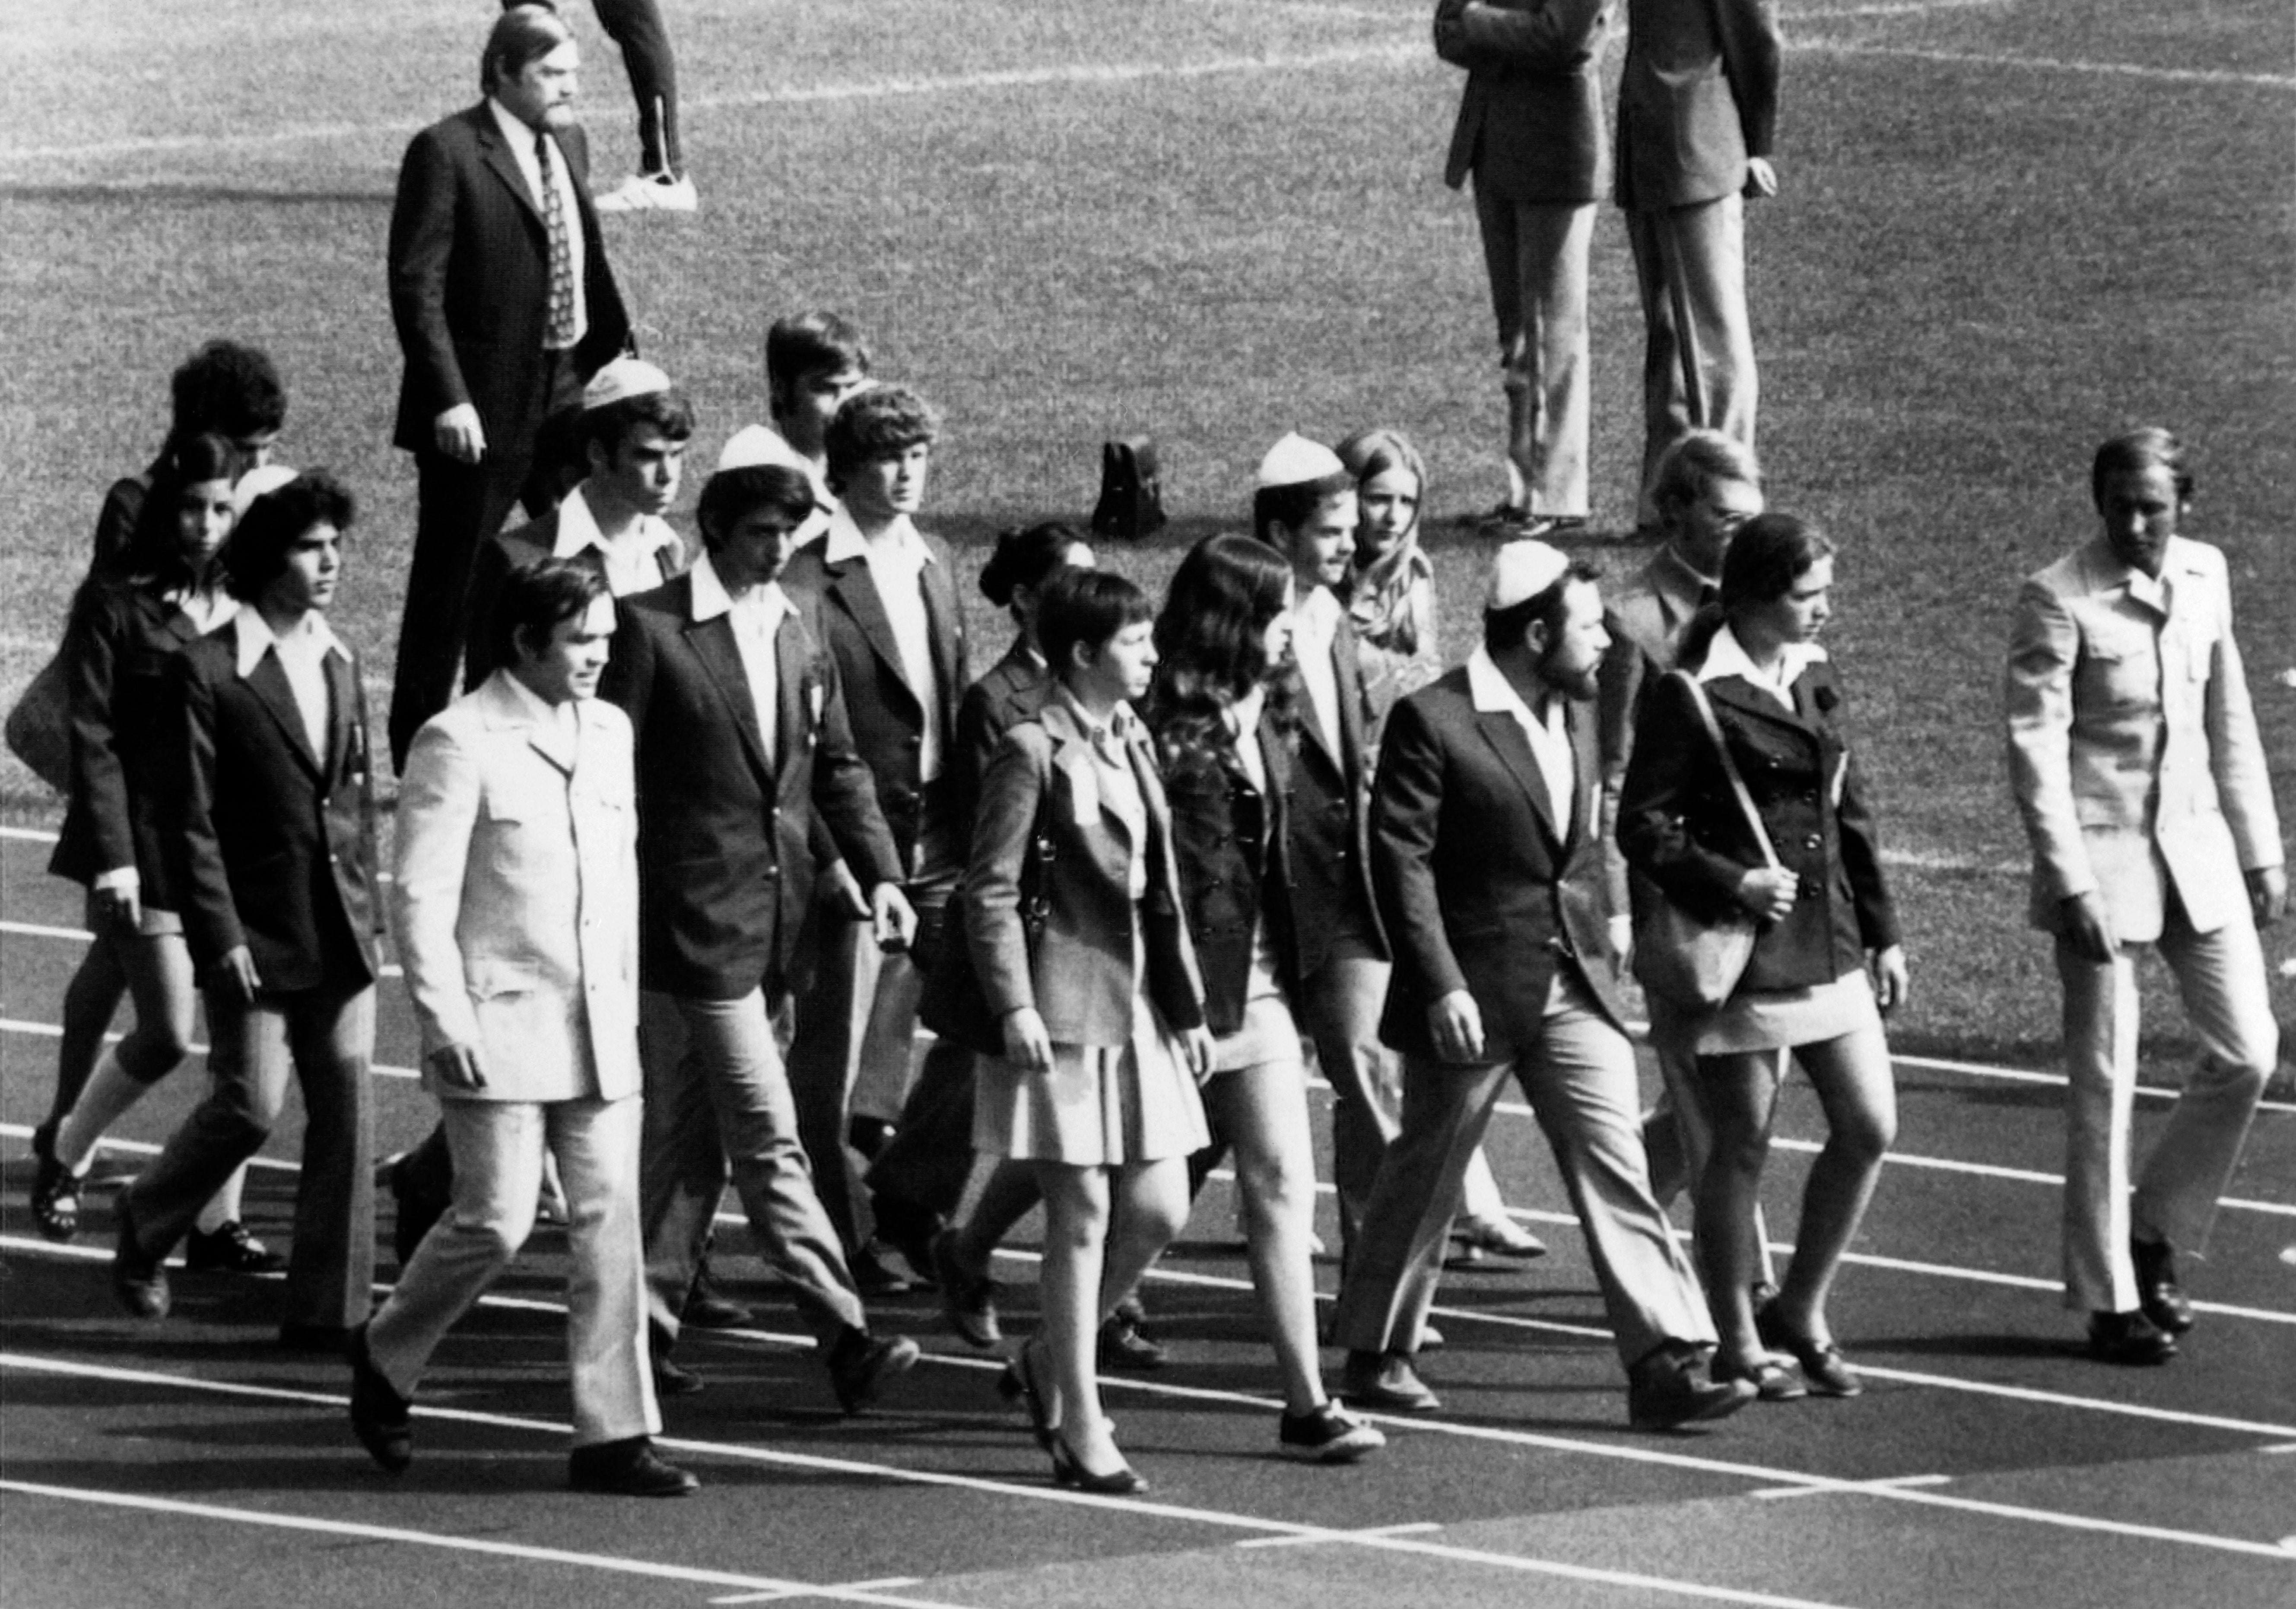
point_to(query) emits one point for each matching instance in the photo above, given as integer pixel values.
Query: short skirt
(1268, 1032)
(1100, 1106)
(1781, 1019)
(152, 922)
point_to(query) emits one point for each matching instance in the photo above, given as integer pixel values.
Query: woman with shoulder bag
(1772, 822)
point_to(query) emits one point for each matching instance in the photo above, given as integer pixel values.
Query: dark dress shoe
(137, 1278)
(1823, 1366)
(629, 1468)
(669, 1380)
(297, 1336)
(872, 1277)
(1123, 1344)
(707, 1307)
(860, 1363)
(2159, 1296)
(381, 1417)
(1671, 1388)
(909, 1230)
(2130, 1339)
(229, 1249)
(1385, 1383)
(968, 1302)
(1068, 1470)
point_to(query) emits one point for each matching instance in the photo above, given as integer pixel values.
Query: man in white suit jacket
(517, 898)
(2134, 754)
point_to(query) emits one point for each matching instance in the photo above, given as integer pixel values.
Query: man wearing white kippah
(1490, 881)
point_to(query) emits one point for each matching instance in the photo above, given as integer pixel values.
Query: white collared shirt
(757, 615)
(896, 560)
(1550, 738)
(520, 137)
(633, 562)
(1315, 626)
(302, 655)
(1726, 656)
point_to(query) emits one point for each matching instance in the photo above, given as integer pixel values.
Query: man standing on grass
(505, 306)
(2135, 756)
(1697, 106)
(1530, 133)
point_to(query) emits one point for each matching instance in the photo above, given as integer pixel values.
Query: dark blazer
(1645, 618)
(469, 282)
(1482, 888)
(887, 719)
(1699, 95)
(506, 550)
(271, 845)
(1679, 825)
(1008, 693)
(1530, 121)
(115, 651)
(1235, 864)
(723, 868)
(1076, 968)
(1330, 822)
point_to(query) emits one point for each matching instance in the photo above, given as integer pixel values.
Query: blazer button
(1813, 843)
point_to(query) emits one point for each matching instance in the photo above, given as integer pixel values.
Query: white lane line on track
(2021, 1175)
(1231, 1521)
(1815, 1491)
(426, 1538)
(1219, 1518)
(80, 935)
(1415, 1528)
(885, 1585)
(49, 1031)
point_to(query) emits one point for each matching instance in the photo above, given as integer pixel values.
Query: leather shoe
(1671, 1388)
(908, 1230)
(860, 1363)
(1125, 1345)
(55, 1188)
(137, 1278)
(628, 1468)
(669, 1380)
(2159, 1296)
(1385, 1383)
(968, 1302)
(229, 1249)
(1501, 1237)
(1823, 1366)
(2128, 1338)
(380, 1416)
(707, 1307)
(872, 1277)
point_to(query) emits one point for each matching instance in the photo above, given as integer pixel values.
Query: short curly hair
(228, 389)
(879, 422)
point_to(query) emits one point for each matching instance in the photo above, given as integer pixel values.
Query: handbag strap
(1729, 767)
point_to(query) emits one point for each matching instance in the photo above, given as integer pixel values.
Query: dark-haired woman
(1074, 920)
(1220, 714)
(1826, 959)
(159, 590)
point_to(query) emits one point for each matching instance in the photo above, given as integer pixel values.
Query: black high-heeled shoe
(1020, 1384)
(1068, 1470)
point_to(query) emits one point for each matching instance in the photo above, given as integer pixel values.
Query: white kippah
(1522, 570)
(249, 486)
(1296, 461)
(621, 380)
(754, 445)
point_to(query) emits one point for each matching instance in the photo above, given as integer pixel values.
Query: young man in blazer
(271, 853)
(743, 747)
(881, 594)
(2134, 752)
(504, 305)
(1484, 857)
(1698, 111)
(1530, 133)
(517, 900)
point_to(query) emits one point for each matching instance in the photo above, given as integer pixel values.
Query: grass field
(2008, 228)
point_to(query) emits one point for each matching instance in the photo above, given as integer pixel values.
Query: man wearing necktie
(505, 306)
(1708, 485)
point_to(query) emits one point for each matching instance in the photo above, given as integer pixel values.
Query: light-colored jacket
(2133, 749)
(517, 896)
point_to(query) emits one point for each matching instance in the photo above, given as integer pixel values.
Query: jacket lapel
(342, 711)
(712, 642)
(1504, 734)
(1347, 671)
(943, 625)
(496, 155)
(793, 680)
(268, 682)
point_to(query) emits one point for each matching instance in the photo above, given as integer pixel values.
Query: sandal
(55, 1190)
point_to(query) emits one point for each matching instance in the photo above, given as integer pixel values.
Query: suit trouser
(1579, 1077)
(2226, 998)
(1339, 1004)
(1535, 253)
(1692, 260)
(636, 26)
(325, 1038)
(1677, 1138)
(498, 1148)
(716, 1094)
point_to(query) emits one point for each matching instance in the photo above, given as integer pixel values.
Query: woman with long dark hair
(1827, 960)
(1222, 708)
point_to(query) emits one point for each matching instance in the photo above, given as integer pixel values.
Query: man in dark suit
(880, 592)
(1484, 857)
(1697, 106)
(1530, 133)
(270, 850)
(504, 305)
(741, 743)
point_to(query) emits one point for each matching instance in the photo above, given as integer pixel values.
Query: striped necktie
(559, 331)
